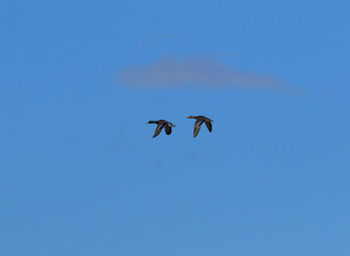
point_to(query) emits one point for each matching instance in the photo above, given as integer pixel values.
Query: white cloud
(200, 72)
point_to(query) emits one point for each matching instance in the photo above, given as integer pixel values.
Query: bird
(160, 125)
(199, 121)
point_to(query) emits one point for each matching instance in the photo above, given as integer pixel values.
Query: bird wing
(209, 126)
(167, 130)
(158, 129)
(197, 127)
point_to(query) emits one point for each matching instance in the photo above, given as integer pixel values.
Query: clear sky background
(81, 175)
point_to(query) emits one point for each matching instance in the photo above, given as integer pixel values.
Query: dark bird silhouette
(160, 125)
(199, 121)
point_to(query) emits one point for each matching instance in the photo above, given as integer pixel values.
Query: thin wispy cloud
(199, 72)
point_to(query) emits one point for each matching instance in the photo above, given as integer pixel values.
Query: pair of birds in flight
(167, 125)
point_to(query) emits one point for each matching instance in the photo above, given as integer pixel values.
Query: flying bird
(199, 121)
(160, 125)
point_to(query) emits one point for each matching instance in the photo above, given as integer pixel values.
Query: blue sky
(81, 174)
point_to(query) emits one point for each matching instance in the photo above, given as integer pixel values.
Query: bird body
(199, 121)
(160, 125)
